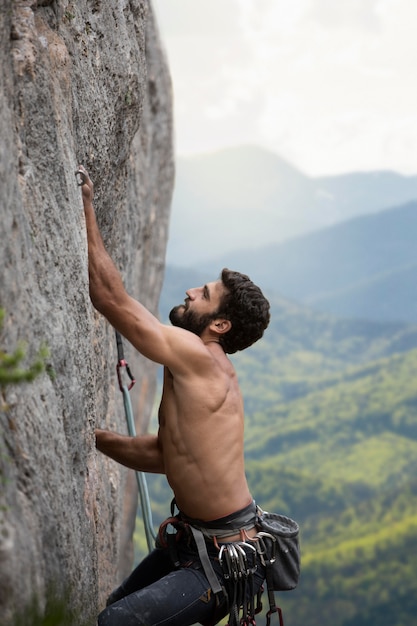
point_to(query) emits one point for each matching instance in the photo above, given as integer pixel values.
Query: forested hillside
(343, 461)
(331, 440)
(304, 350)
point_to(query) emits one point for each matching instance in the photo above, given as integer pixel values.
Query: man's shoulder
(191, 353)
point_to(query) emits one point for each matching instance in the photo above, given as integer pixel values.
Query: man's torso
(201, 425)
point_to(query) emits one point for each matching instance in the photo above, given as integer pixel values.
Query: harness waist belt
(244, 519)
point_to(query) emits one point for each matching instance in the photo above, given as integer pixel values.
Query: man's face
(199, 309)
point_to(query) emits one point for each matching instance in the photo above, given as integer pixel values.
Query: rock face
(81, 82)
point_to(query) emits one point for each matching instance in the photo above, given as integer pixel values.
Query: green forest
(331, 440)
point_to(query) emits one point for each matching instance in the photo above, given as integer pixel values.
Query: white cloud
(328, 85)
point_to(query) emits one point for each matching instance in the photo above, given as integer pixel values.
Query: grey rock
(81, 82)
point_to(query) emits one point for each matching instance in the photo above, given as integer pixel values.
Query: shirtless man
(199, 445)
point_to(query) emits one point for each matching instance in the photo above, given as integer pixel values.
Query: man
(199, 445)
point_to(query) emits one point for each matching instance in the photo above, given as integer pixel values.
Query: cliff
(81, 82)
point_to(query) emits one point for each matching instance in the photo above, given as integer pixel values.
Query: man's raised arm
(105, 282)
(163, 344)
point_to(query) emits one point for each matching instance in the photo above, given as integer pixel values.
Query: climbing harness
(122, 365)
(238, 561)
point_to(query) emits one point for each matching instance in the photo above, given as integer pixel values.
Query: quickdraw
(239, 578)
(238, 575)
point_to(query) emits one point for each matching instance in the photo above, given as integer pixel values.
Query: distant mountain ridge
(248, 197)
(364, 267)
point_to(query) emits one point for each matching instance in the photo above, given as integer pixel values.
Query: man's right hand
(142, 453)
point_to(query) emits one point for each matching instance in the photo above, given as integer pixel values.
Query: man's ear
(220, 326)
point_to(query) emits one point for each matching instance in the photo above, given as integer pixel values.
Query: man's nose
(191, 293)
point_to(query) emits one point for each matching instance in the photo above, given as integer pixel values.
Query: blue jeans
(158, 593)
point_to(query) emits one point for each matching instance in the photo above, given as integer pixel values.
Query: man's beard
(189, 320)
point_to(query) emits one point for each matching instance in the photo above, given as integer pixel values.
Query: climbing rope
(140, 476)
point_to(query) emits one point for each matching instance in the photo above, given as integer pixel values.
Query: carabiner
(243, 561)
(224, 565)
(234, 560)
(271, 611)
(261, 549)
(120, 364)
(261, 536)
(83, 178)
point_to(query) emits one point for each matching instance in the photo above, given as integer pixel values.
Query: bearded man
(199, 445)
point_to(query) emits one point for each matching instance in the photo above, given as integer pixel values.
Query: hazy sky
(329, 85)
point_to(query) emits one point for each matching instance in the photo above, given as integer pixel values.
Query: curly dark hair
(245, 306)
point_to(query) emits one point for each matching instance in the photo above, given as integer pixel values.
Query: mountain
(363, 267)
(247, 197)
